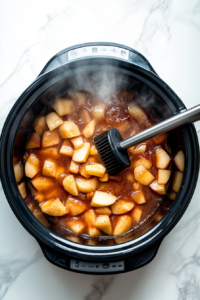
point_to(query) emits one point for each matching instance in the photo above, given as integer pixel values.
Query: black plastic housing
(57, 250)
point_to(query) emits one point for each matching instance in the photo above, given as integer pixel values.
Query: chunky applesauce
(68, 181)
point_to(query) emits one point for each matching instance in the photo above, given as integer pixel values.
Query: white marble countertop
(167, 32)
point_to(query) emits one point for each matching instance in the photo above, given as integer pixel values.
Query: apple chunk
(137, 186)
(103, 211)
(81, 155)
(136, 214)
(66, 148)
(104, 178)
(33, 141)
(162, 159)
(32, 166)
(77, 142)
(69, 185)
(95, 170)
(163, 176)
(177, 180)
(40, 125)
(99, 111)
(138, 197)
(53, 121)
(69, 130)
(85, 115)
(90, 217)
(137, 112)
(88, 131)
(50, 138)
(83, 171)
(103, 223)
(138, 150)
(74, 167)
(63, 106)
(87, 185)
(101, 199)
(76, 225)
(40, 217)
(142, 161)
(22, 189)
(179, 160)
(160, 138)
(18, 171)
(122, 225)
(49, 168)
(143, 176)
(93, 150)
(121, 207)
(80, 99)
(42, 183)
(76, 207)
(54, 208)
(158, 188)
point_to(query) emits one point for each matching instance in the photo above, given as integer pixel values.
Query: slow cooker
(55, 76)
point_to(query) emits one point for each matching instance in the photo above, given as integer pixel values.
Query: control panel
(92, 267)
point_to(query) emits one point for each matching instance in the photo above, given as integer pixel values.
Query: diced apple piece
(87, 185)
(103, 211)
(69, 185)
(32, 166)
(121, 207)
(104, 178)
(41, 218)
(140, 149)
(103, 223)
(18, 171)
(76, 225)
(74, 167)
(53, 121)
(76, 207)
(101, 199)
(54, 208)
(95, 170)
(130, 177)
(90, 195)
(136, 214)
(90, 217)
(80, 99)
(42, 183)
(162, 159)
(99, 111)
(63, 106)
(94, 232)
(172, 195)
(158, 188)
(122, 225)
(53, 152)
(138, 197)
(163, 176)
(40, 125)
(33, 141)
(92, 159)
(160, 138)
(69, 130)
(83, 171)
(81, 155)
(88, 131)
(177, 180)
(142, 175)
(85, 115)
(137, 112)
(39, 197)
(60, 170)
(49, 168)
(22, 189)
(179, 161)
(67, 148)
(93, 150)
(137, 186)
(77, 142)
(50, 138)
(142, 161)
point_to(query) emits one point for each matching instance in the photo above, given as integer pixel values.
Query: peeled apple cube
(143, 176)
(69, 130)
(93, 150)
(81, 155)
(76, 225)
(90, 195)
(74, 167)
(138, 197)
(50, 138)
(95, 170)
(142, 161)
(40, 217)
(33, 141)
(52, 152)
(103, 223)
(101, 199)
(40, 125)
(137, 186)
(137, 112)
(22, 189)
(94, 232)
(54, 208)
(32, 166)
(179, 161)
(88, 131)
(163, 176)
(87, 185)
(67, 148)
(80, 99)
(89, 217)
(18, 171)
(122, 225)
(130, 177)
(162, 159)
(104, 178)
(85, 115)
(69, 185)
(103, 211)
(160, 138)
(42, 183)
(172, 195)
(49, 168)
(138, 150)
(76, 207)
(99, 111)
(82, 171)
(136, 214)
(121, 207)
(77, 142)
(177, 180)
(63, 106)
(158, 188)
(53, 121)
(39, 197)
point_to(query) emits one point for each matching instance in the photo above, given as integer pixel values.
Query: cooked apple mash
(68, 180)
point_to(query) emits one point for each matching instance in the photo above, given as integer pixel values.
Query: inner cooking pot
(61, 74)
